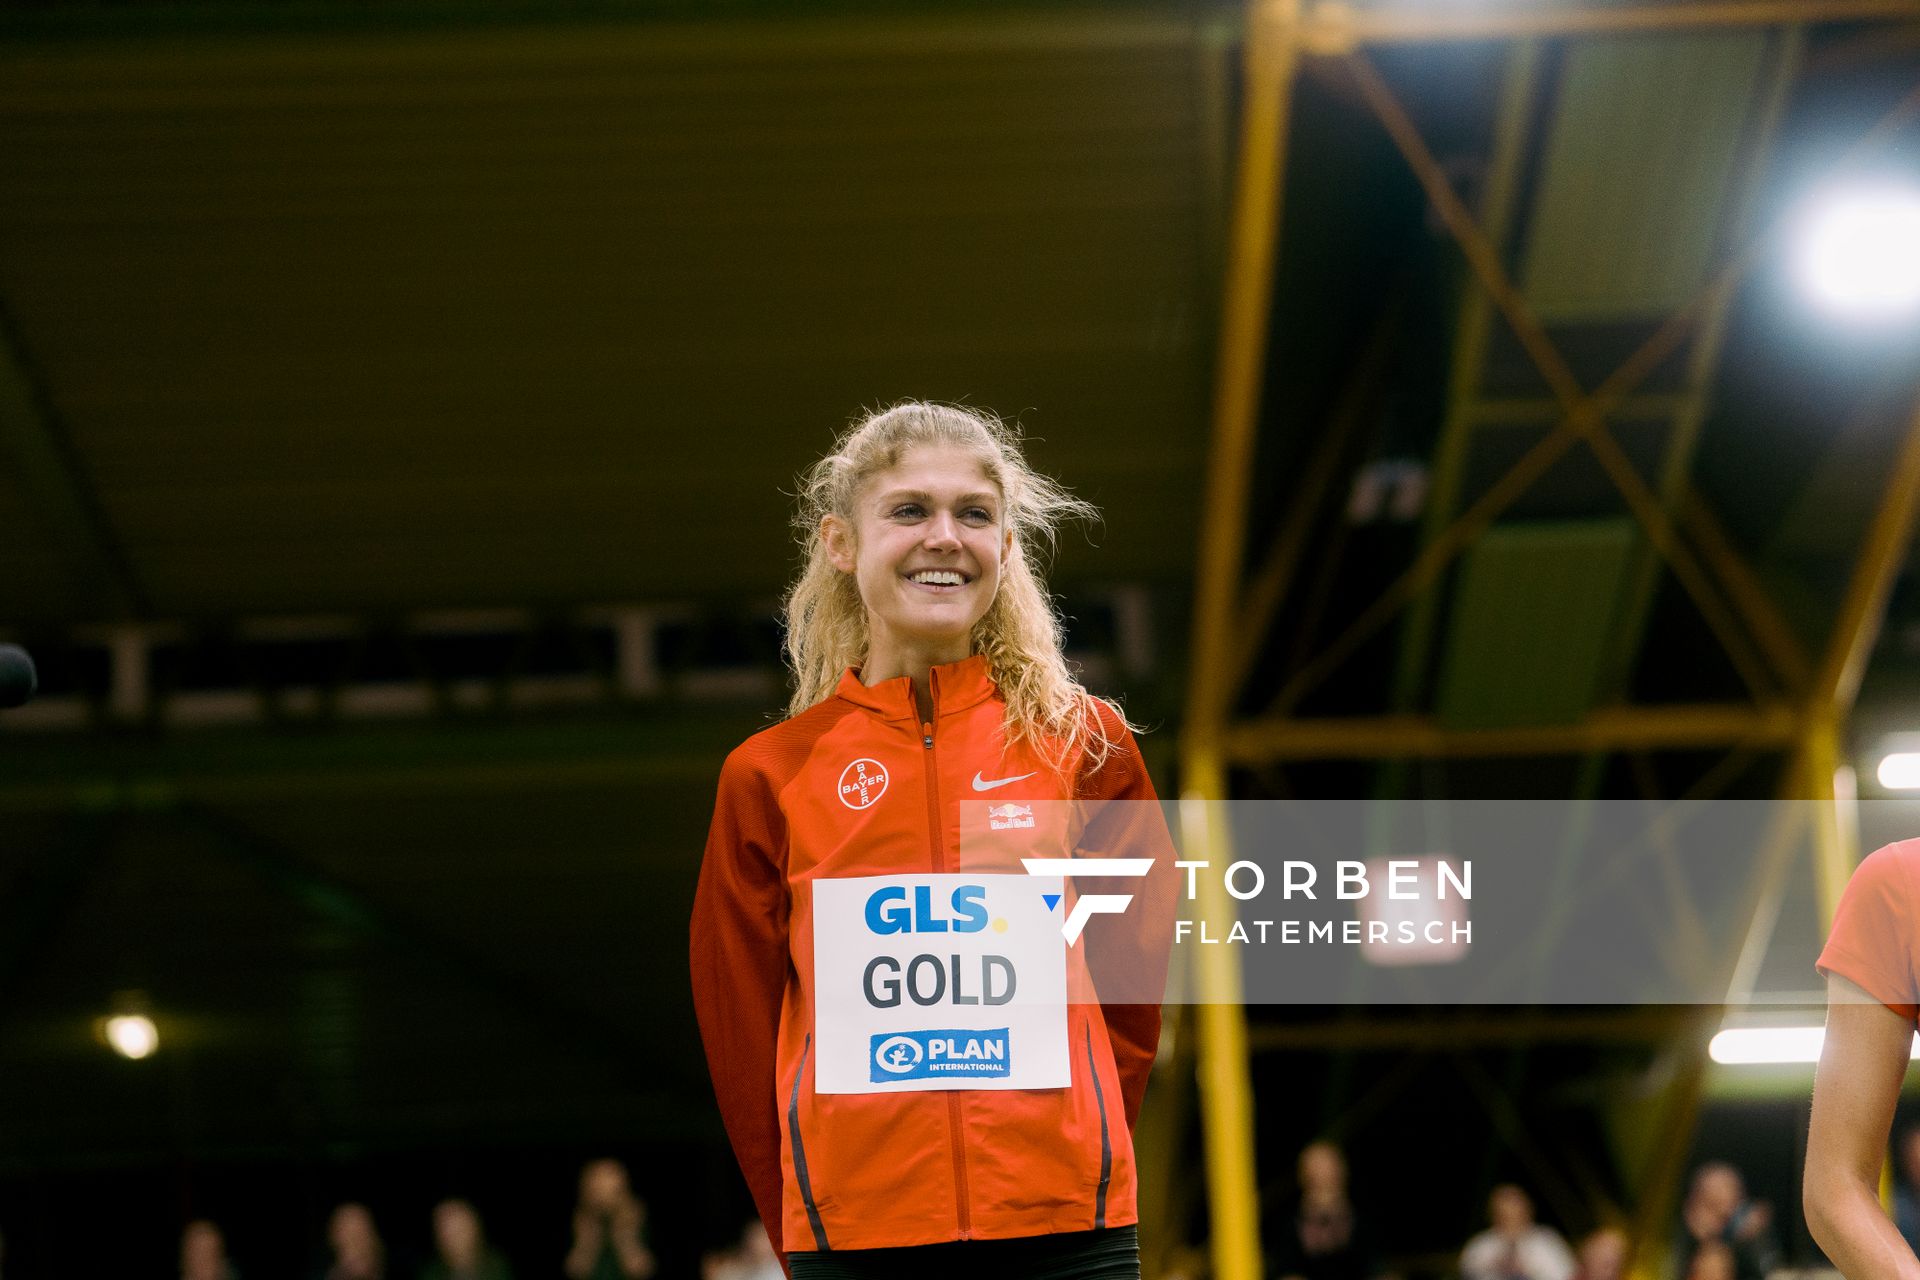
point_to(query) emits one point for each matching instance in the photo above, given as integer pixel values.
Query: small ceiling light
(1900, 771)
(1750, 1046)
(128, 1027)
(1858, 252)
(132, 1035)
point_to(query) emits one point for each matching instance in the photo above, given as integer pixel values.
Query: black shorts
(1111, 1253)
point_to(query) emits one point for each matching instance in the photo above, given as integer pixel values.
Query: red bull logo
(1009, 817)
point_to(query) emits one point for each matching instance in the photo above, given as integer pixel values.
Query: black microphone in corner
(17, 677)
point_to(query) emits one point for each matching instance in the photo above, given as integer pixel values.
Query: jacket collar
(956, 686)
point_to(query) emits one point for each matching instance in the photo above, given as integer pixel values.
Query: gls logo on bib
(938, 981)
(887, 911)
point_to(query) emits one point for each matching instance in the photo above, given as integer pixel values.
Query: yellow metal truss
(1796, 704)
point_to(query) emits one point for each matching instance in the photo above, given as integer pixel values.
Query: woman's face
(925, 546)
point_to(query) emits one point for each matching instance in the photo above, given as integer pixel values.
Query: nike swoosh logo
(981, 784)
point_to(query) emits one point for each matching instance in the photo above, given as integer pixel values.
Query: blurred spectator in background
(1713, 1260)
(464, 1254)
(1603, 1255)
(752, 1259)
(203, 1253)
(1321, 1237)
(358, 1252)
(1515, 1247)
(1717, 1210)
(1906, 1196)
(607, 1224)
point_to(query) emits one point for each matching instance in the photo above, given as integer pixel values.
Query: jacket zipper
(955, 1128)
(1106, 1139)
(800, 1175)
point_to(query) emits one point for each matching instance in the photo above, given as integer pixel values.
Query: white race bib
(939, 982)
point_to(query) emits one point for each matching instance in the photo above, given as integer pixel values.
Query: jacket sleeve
(1872, 937)
(740, 962)
(1128, 953)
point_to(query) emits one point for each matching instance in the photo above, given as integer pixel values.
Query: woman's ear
(838, 539)
(1006, 549)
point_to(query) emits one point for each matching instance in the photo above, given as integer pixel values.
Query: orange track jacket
(859, 786)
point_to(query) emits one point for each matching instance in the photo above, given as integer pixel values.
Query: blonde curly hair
(1020, 633)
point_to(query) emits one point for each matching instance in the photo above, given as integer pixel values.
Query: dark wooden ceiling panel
(406, 319)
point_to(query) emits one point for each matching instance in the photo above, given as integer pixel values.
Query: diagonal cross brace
(35, 444)
(1583, 420)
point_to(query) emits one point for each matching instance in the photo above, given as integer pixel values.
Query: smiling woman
(930, 487)
(924, 1125)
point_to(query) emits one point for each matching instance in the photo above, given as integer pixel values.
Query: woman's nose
(942, 531)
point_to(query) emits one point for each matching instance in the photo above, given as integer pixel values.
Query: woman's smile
(939, 582)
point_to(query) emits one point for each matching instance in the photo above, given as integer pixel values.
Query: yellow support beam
(1222, 1060)
(1265, 110)
(1834, 856)
(1226, 1093)
(1333, 28)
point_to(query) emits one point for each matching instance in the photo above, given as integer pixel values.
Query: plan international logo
(924, 1055)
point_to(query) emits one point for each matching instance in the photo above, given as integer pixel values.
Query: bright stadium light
(132, 1035)
(1900, 771)
(1750, 1046)
(1857, 252)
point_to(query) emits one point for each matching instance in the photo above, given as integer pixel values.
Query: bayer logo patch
(862, 782)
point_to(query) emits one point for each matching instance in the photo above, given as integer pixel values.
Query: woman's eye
(979, 515)
(907, 511)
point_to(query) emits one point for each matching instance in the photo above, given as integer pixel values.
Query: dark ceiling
(392, 319)
(317, 322)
